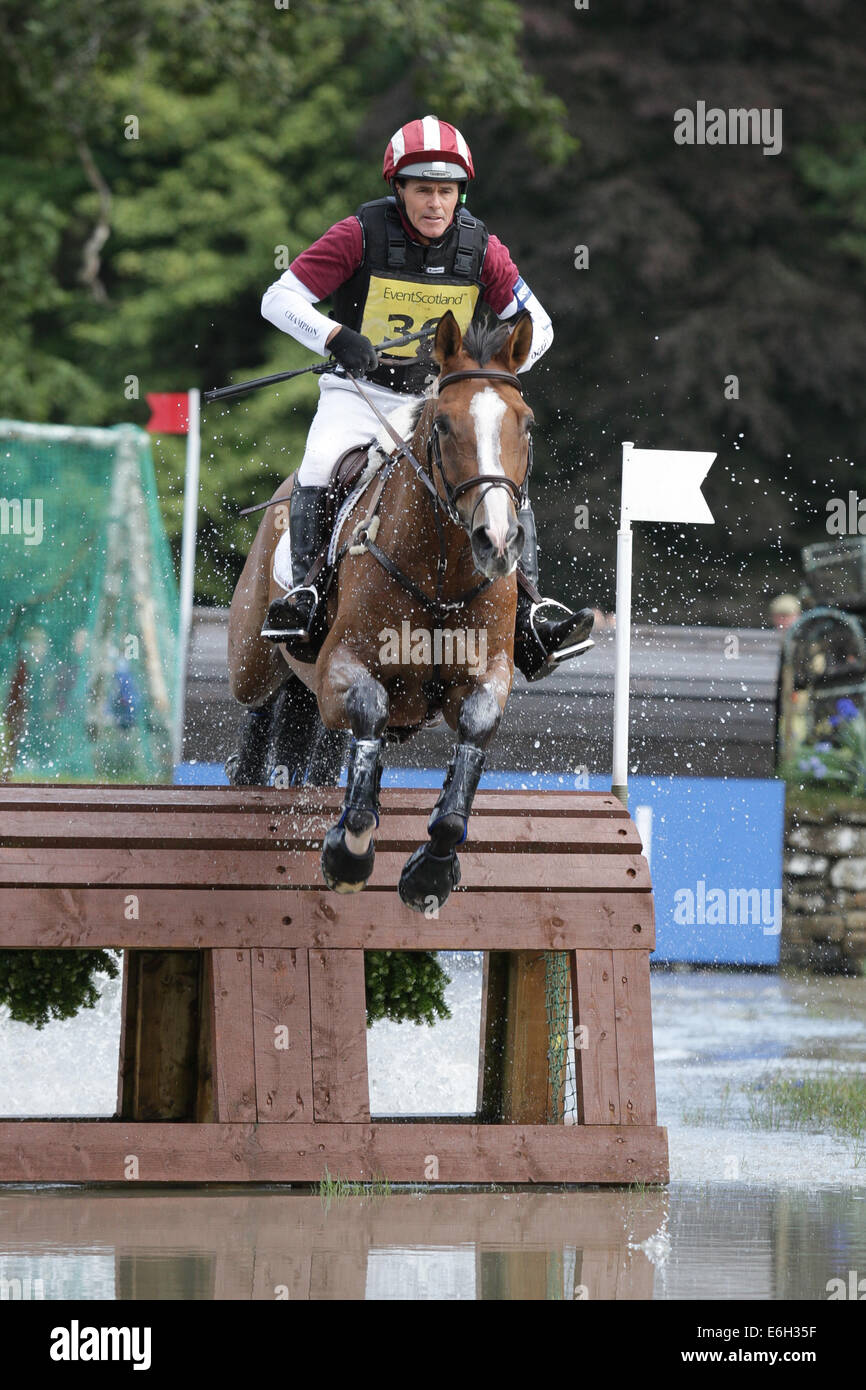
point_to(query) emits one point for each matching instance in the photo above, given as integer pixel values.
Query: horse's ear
(448, 340)
(519, 341)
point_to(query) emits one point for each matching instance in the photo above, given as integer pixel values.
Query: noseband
(483, 480)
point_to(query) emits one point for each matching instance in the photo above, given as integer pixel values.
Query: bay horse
(414, 559)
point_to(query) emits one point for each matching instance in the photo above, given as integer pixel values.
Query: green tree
(158, 156)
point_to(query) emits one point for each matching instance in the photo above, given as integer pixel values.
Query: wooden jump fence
(243, 1051)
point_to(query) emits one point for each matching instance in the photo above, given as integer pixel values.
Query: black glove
(353, 351)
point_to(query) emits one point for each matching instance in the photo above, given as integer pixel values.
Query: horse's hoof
(426, 881)
(343, 871)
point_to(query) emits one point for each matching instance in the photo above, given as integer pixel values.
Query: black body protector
(401, 286)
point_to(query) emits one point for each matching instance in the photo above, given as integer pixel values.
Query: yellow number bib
(397, 307)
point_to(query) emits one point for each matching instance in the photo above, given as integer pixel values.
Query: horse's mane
(484, 339)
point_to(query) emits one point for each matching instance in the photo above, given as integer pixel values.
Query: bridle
(434, 452)
(363, 536)
(484, 480)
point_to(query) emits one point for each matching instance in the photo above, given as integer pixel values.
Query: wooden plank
(634, 1037)
(233, 1046)
(132, 828)
(171, 918)
(596, 1073)
(242, 868)
(281, 1024)
(525, 1063)
(338, 1019)
(206, 800)
(93, 1151)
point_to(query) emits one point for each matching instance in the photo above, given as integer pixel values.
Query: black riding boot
(290, 616)
(546, 633)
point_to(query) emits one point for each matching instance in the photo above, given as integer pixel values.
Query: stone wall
(824, 887)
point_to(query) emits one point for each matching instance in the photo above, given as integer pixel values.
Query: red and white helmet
(428, 149)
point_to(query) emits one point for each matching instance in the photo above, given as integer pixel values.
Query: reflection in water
(231, 1243)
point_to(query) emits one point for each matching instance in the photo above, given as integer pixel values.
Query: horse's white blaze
(487, 410)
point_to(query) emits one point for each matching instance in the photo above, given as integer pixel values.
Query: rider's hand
(353, 351)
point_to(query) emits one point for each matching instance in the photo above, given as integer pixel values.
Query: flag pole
(619, 778)
(187, 564)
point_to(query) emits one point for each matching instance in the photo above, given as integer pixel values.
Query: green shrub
(38, 986)
(405, 986)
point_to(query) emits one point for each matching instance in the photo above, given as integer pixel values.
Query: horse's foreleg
(348, 693)
(433, 869)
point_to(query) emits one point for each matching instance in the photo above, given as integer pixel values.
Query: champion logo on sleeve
(522, 292)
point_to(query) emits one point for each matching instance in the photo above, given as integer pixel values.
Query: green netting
(562, 1096)
(88, 607)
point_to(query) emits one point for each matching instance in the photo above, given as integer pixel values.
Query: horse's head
(479, 435)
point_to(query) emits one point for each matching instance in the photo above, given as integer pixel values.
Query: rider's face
(430, 206)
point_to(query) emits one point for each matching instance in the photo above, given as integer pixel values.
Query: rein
(361, 534)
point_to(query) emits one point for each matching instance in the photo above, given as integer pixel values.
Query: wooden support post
(338, 1015)
(234, 1048)
(516, 1080)
(281, 1024)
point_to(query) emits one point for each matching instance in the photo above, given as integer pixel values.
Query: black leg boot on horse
(433, 870)
(348, 851)
(546, 633)
(290, 617)
(251, 765)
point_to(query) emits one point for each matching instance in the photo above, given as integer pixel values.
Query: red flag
(169, 413)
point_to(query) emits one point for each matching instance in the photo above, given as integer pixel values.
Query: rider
(395, 267)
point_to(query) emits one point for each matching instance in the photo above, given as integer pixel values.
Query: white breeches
(342, 419)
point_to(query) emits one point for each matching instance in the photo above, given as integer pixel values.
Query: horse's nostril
(481, 539)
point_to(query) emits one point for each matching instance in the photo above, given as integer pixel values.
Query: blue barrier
(714, 846)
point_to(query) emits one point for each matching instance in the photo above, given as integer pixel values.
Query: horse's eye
(442, 424)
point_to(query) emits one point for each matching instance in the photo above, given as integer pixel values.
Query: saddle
(344, 476)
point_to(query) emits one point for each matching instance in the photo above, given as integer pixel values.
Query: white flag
(664, 485)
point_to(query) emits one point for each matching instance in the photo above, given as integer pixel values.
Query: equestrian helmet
(428, 149)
